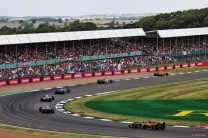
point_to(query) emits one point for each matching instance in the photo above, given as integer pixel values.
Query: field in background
(99, 23)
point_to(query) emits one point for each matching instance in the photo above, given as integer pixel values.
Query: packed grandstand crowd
(151, 47)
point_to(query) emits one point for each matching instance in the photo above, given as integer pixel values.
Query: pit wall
(95, 74)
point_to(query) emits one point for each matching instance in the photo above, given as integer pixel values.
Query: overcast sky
(92, 7)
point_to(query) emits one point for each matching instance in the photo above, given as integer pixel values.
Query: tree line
(174, 20)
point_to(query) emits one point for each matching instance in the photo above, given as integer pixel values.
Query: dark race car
(47, 98)
(160, 74)
(148, 125)
(62, 91)
(46, 109)
(104, 81)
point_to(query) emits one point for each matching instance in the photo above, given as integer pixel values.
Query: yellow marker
(206, 114)
(183, 113)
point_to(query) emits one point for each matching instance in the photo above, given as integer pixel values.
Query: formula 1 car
(46, 109)
(104, 81)
(160, 74)
(148, 124)
(47, 98)
(62, 91)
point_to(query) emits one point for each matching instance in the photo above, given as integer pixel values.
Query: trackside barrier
(57, 77)
(199, 64)
(185, 65)
(205, 63)
(117, 72)
(161, 68)
(25, 80)
(12, 82)
(152, 69)
(133, 70)
(108, 73)
(98, 74)
(77, 75)
(87, 74)
(143, 69)
(67, 76)
(3, 83)
(36, 79)
(46, 78)
(126, 72)
(169, 67)
(177, 66)
(192, 64)
(92, 74)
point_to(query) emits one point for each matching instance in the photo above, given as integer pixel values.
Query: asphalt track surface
(22, 110)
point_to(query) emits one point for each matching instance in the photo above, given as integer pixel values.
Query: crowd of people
(152, 49)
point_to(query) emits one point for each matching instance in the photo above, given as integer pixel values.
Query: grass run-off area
(180, 103)
(27, 132)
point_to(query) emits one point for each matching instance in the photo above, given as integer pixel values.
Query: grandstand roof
(182, 32)
(69, 36)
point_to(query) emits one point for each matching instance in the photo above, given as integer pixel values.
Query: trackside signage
(199, 64)
(46, 78)
(37, 79)
(126, 71)
(169, 67)
(184, 65)
(152, 69)
(25, 80)
(177, 66)
(143, 69)
(78, 75)
(88, 74)
(67, 76)
(192, 64)
(57, 77)
(161, 68)
(98, 73)
(108, 73)
(13, 82)
(117, 72)
(134, 70)
(3, 83)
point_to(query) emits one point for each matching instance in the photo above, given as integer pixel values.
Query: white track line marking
(62, 102)
(77, 115)
(59, 104)
(88, 95)
(47, 88)
(181, 126)
(197, 71)
(69, 100)
(78, 97)
(181, 73)
(204, 70)
(126, 122)
(107, 120)
(189, 72)
(88, 117)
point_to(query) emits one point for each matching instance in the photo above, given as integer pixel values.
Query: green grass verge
(45, 134)
(160, 102)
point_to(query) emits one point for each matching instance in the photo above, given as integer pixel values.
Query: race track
(22, 110)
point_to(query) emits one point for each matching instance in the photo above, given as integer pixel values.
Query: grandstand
(71, 54)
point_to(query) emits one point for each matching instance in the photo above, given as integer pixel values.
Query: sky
(94, 7)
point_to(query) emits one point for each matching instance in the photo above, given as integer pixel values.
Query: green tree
(60, 20)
